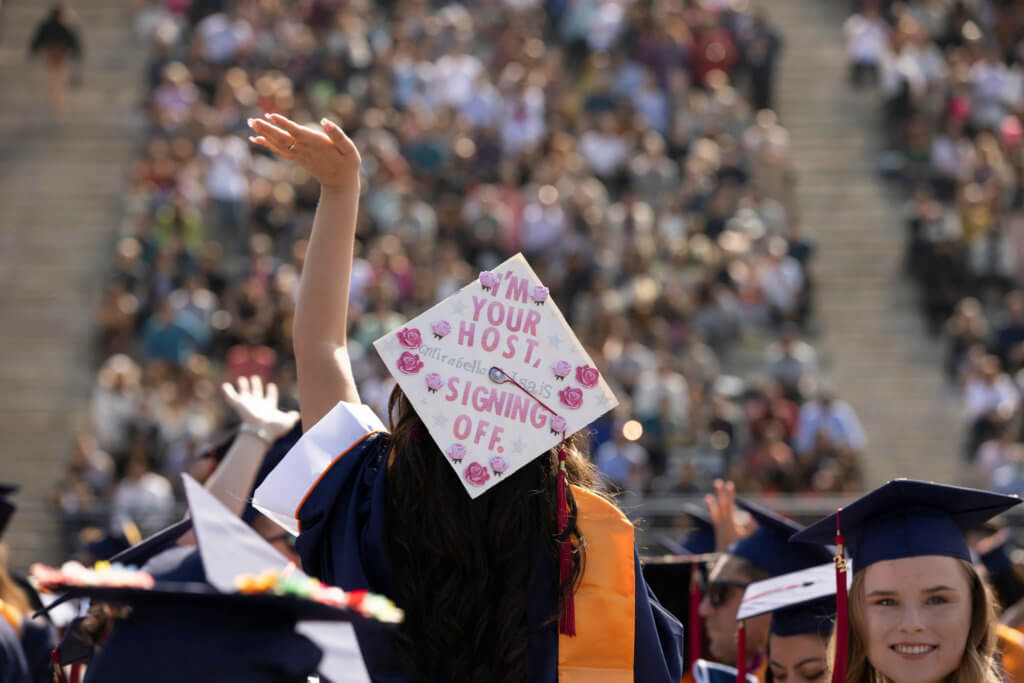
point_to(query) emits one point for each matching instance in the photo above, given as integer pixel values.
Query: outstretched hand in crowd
(258, 407)
(328, 154)
(722, 510)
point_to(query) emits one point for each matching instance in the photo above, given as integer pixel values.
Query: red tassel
(693, 627)
(76, 673)
(741, 654)
(567, 621)
(842, 609)
(58, 670)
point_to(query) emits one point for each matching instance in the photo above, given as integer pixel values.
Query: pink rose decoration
(476, 474)
(434, 382)
(562, 369)
(409, 363)
(441, 329)
(498, 464)
(410, 338)
(456, 452)
(488, 280)
(587, 376)
(571, 397)
(540, 295)
(557, 424)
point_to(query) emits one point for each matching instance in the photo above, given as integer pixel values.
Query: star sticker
(517, 446)
(555, 341)
(439, 421)
(458, 307)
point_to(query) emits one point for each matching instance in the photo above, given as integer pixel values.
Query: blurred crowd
(951, 78)
(627, 148)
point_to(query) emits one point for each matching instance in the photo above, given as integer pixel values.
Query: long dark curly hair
(462, 567)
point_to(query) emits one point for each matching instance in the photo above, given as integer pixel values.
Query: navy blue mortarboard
(906, 518)
(802, 602)
(769, 549)
(700, 539)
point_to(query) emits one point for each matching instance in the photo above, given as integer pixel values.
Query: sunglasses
(718, 592)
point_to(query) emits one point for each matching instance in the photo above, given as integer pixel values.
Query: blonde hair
(10, 592)
(978, 664)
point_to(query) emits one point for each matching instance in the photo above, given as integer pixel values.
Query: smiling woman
(922, 619)
(918, 610)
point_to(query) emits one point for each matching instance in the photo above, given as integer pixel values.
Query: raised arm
(321, 313)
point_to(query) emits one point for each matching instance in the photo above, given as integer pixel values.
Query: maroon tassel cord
(76, 673)
(741, 654)
(842, 610)
(567, 622)
(58, 670)
(693, 642)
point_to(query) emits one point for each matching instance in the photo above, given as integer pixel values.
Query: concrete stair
(882, 360)
(60, 184)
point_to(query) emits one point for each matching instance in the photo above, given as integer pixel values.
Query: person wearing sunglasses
(761, 555)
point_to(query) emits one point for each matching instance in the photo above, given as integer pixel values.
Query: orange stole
(1011, 647)
(602, 649)
(11, 615)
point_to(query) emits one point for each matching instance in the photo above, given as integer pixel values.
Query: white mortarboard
(496, 374)
(800, 602)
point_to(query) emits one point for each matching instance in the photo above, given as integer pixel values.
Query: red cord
(741, 654)
(58, 670)
(693, 649)
(567, 622)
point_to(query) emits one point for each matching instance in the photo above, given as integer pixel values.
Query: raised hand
(259, 408)
(328, 155)
(722, 509)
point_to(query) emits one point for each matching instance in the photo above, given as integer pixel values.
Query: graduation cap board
(713, 672)
(496, 374)
(799, 602)
(769, 549)
(229, 548)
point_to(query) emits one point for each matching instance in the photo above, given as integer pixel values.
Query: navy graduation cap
(907, 518)
(194, 624)
(802, 602)
(700, 539)
(7, 507)
(769, 549)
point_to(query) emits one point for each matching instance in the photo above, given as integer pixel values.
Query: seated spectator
(143, 497)
(793, 363)
(171, 337)
(115, 402)
(829, 421)
(866, 35)
(990, 400)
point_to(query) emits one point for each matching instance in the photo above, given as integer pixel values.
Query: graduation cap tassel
(567, 622)
(693, 627)
(58, 670)
(741, 654)
(842, 609)
(76, 673)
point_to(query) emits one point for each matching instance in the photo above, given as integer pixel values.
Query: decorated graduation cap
(769, 549)
(802, 602)
(496, 374)
(498, 378)
(901, 519)
(250, 618)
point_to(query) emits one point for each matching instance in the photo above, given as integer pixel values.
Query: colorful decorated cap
(800, 603)
(769, 549)
(496, 374)
(906, 518)
(245, 602)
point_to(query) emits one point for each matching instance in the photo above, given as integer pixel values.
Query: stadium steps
(60, 183)
(881, 358)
